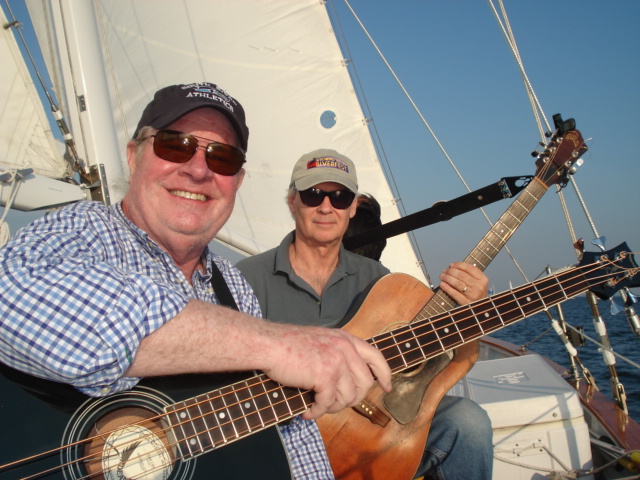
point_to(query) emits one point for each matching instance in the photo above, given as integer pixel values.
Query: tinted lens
(339, 199)
(224, 159)
(180, 147)
(174, 146)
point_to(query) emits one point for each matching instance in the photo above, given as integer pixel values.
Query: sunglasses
(340, 199)
(178, 147)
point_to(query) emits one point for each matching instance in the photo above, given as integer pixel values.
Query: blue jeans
(460, 442)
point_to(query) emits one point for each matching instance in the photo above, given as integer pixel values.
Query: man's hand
(465, 283)
(339, 367)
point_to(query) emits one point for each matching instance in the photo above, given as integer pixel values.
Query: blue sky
(583, 60)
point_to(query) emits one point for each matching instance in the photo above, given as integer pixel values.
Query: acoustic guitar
(418, 391)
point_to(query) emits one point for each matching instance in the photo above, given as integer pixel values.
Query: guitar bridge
(369, 410)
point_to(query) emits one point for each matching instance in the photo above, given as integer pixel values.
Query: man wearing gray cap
(311, 279)
(98, 297)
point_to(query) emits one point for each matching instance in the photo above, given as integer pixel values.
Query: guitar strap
(221, 288)
(507, 187)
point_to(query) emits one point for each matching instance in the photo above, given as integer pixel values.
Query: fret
(468, 325)
(534, 198)
(490, 317)
(236, 413)
(515, 217)
(210, 418)
(223, 415)
(500, 233)
(509, 225)
(477, 261)
(507, 307)
(439, 303)
(430, 343)
(409, 346)
(297, 401)
(199, 439)
(529, 300)
(478, 314)
(176, 418)
(264, 395)
(281, 406)
(249, 408)
(392, 352)
(488, 247)
(446, 329)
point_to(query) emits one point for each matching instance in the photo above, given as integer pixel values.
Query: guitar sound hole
(129, 442)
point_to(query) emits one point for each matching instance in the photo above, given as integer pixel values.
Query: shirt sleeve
(69, 311)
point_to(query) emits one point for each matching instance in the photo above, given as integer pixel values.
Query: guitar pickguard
(404, 401)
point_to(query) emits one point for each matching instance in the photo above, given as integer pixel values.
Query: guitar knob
(574, 168)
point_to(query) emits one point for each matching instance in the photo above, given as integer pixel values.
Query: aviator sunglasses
(340, 199)
(178, 147)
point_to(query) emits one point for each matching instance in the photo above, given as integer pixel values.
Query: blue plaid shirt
(81, 287)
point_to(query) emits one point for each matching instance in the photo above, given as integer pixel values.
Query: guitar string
(262, 379)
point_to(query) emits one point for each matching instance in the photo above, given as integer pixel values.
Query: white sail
(30, 158)
(279, 58)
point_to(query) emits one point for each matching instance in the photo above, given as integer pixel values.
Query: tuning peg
(577, 164)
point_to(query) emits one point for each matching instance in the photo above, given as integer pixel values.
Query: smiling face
(322, 225)
(182, 205)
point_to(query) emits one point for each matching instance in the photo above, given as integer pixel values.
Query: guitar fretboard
(486, 250)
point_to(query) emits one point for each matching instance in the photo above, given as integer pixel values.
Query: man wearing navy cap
(99, 297)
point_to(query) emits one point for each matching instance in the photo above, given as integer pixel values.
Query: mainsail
(279, 58)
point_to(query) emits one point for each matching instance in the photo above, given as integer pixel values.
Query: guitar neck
(486, 250)
(429, 336)
(211, 420)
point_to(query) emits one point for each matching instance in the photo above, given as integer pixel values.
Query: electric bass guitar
(146, 434)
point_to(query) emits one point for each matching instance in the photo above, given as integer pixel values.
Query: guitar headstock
(618, 270)
(565, 147)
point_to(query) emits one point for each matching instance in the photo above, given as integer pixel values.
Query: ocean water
(578, 313)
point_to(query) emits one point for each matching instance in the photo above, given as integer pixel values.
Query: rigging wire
(428, 126)
(538, 112)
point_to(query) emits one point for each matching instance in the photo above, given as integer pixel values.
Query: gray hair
(140, 137)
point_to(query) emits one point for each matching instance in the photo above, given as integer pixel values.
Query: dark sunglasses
(340, 199)
(178, 147)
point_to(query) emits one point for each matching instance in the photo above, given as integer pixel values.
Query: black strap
(505, 188)
(221, 288)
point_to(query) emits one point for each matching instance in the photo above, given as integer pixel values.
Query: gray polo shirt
(287, 298)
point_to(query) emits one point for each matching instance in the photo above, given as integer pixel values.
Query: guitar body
(39, 416)
(378, 447)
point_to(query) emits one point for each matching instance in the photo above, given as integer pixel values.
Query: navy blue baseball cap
(172, 102)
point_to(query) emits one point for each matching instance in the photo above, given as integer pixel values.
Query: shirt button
(105, 390)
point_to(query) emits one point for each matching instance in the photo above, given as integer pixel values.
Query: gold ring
(465, 288)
